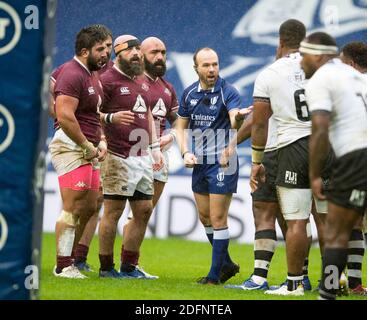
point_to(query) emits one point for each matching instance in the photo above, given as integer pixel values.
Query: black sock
(334, 261)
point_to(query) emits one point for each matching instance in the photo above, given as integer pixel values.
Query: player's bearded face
(156, 69)
(95, 62)
(133, 66)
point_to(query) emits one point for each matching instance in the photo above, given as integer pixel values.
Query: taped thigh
(295, 204)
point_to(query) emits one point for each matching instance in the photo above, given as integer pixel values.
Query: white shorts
(162, 175)
(66, 155)
(122, 177)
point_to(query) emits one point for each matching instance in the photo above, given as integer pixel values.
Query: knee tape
(68, 218)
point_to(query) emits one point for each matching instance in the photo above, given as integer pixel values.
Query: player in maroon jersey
(164, 106)
(78, 144)
(128, 169)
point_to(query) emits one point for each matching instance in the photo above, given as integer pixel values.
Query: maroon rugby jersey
(122, 93)
(164, 101)
(76, 81)
(57, 71)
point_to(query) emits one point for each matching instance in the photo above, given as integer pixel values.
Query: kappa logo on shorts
(290, 177)
(81, 184)
(357, 198)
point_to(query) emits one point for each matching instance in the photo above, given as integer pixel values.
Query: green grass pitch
(178, 263)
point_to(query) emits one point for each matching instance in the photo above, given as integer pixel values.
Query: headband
(126, 45)
(317, 49)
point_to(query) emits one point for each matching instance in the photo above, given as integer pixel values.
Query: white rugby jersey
(341, 90)
(283, 84)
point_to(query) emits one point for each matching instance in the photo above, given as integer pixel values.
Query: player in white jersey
(281, 89)
(337, 98)
(355, 54)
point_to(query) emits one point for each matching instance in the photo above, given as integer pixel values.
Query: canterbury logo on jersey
(124, 90)
(193, 102)
(159, 108)
(140, 105)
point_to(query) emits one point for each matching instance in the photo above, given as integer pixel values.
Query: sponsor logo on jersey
(140, 105)
(193, 102)
(357, 198)
(159, 108)
(91, 90)
(290, 177)
(124, 90)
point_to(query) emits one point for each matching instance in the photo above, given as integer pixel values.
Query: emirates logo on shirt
(140, 105)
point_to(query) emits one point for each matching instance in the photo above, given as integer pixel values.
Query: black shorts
(137, 196)
(293, 165)
(266, 192)
(348, 183)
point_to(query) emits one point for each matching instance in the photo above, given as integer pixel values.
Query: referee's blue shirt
(207, 111)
